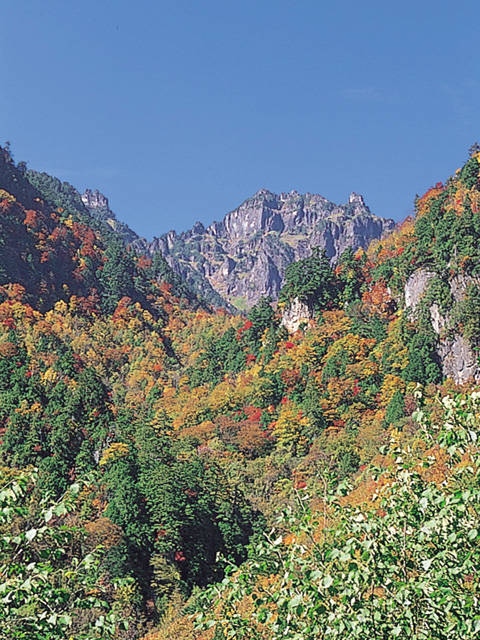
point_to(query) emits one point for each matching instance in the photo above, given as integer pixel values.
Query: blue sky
(179, 110)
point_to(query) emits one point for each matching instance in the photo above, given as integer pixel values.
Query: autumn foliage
(191, 428)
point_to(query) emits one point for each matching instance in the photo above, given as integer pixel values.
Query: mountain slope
(367, 389)
(55, 244)
(232, 263)
(98, 206)
(244, 257)
(187, 432)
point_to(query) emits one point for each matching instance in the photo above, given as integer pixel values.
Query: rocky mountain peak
(94, 199)
(262, 194)
(357, 200)
(98, 206)
(244, 257)
(198, 228)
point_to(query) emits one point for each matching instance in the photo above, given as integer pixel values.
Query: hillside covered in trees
(171, 471)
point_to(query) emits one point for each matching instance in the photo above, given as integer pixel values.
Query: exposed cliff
(296, 314)
(244, 257)
(98, 206)
(454, 350)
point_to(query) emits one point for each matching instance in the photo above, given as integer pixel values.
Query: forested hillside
(169, 471)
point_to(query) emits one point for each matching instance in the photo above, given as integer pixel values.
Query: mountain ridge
(55, 245)
(230, 263)
(243, 257)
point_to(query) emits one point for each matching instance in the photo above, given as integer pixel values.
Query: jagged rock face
(459, 361)
(244, 256)
(416, 287)
(95, 200)
(296, 314)
(97, 205)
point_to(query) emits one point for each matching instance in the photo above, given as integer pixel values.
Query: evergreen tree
(117, 275)
(311, 280)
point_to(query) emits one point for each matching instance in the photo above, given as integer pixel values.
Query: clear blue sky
(178, 110)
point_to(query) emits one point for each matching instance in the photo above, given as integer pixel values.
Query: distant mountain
(244, 257)
(91, 204)
(232, 263)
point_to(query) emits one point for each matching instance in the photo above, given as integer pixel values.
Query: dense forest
(170, 470)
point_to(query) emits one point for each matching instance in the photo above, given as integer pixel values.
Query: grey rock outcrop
(296, 314)
(95, 200)
(98, 206)
(459, 361)
(244, 256)
(416, 287)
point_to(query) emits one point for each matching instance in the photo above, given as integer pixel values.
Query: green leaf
(295, 601)
(327, 581)
(65, 620)
(75, 489)
(30, 534)
(426, 564)
(60, 509)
